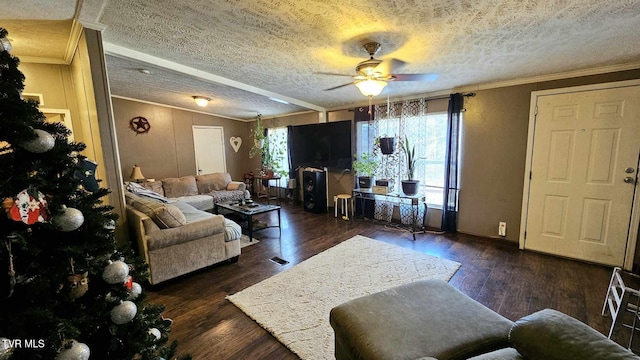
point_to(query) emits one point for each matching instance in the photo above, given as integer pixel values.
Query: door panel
(579, 204)
(208, 143)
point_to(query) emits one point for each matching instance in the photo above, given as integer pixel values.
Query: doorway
(580, 196)
(208, 144)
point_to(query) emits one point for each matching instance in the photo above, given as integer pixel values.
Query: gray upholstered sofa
(433, 320)
(175, 238)
(200, 191)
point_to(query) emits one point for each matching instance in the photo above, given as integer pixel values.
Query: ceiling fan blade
(389, 66)
(338, 87)
(415, 77)
(330, 73)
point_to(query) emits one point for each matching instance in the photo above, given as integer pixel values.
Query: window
(428, 134)
(278, 157)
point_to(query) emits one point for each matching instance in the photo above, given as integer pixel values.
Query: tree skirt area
(294, 305)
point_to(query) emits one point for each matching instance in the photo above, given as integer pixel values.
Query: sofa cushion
(155, 186)
(212, 182)
(551, 335)
(164, 215)
(502, 354)
(200, 202)
(409, 322)
(177, 187)
(191, 213)
(232, 231)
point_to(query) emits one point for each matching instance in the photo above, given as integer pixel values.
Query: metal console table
(414, 201)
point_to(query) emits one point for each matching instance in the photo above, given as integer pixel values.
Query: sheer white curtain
(278, 149)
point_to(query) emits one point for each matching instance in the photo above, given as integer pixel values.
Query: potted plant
(387, 145)
(365, 166)
(410, 186)
(259, 137)
(388, 162)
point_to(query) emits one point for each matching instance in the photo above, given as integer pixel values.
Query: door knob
(629, 180)
(629, 170)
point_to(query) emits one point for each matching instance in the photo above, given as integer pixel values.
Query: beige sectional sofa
(200, 191)
(174, 238)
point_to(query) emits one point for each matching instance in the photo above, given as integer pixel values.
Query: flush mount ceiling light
(201, 100)
(371, 87)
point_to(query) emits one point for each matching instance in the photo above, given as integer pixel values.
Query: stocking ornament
(27, 208)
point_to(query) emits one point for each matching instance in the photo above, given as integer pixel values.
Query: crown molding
(72, 42)
(177, 108)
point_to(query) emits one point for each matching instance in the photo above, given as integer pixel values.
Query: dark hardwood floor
(496, 273)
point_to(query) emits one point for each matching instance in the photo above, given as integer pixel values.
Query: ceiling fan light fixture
(371, 87)
(201, 100)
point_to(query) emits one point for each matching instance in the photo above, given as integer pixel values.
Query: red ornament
(129, 282)
(28, 209)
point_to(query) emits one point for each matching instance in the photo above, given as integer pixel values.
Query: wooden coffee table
(247, 212)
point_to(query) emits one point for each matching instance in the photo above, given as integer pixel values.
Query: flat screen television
(321, 145)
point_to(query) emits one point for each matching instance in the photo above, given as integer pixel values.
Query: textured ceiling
(276, 48)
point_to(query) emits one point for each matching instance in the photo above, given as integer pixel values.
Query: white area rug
(294, 305)
(244, 241)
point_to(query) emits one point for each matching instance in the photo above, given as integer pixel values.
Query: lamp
(371, 87)
(136, 174)
(201, 100)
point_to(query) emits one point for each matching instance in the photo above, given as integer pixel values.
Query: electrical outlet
(502, 228)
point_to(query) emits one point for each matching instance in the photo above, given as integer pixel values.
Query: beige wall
(338, 182)
(69, 87)
(493, 153)
(167, 149)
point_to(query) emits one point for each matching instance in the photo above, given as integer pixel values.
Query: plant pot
(410, 187)
(365, 182)
(387, 145)
(382, 182)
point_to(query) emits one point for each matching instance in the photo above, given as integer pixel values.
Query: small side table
(264, 190)
(345, 200)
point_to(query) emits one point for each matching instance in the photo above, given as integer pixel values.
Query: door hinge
(535, 111)
(525, 235)
(530, 175)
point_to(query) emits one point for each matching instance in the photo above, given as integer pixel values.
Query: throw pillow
(164, 215)
(212, 182)
(177, 187)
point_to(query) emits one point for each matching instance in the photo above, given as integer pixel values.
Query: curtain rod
(442, 97)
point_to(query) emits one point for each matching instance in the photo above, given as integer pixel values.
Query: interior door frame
(634, 224)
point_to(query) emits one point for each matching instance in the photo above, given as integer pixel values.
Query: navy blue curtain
(451, 187)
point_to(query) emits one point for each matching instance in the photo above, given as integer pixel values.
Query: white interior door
(208, 143)
(583, 174)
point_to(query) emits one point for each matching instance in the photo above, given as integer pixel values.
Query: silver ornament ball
(5, 349)
(123, 313)
(135, 291)
(77, 351)
(116, 272)
(155, 333)
(69, 219)
(41, 144)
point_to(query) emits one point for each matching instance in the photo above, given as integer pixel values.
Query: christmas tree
(66, 290)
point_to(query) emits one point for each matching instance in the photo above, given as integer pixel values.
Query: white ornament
(156, 333)
(236, 142)
(69, 219)
(116, 272)
(77, 351)
(123, 313)
(135, 290)
(41, 144)
(5, 349)
(110, 225)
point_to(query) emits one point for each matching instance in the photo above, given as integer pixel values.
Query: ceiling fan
(374, 74)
